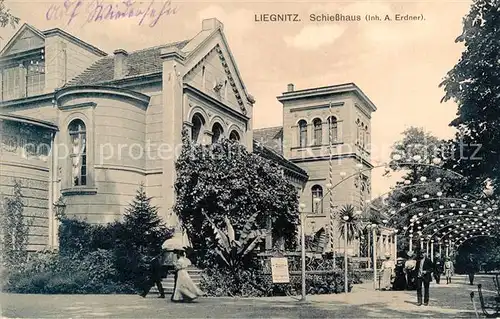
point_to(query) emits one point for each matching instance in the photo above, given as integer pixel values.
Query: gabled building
(88, 126)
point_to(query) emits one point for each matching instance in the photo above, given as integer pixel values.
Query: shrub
(14, 228)
(51, 273)
(111, 258)
(220, 282)
(224, 180)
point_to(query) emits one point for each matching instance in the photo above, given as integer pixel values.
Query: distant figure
(448, 270)
(438, 268)
(387, 273)
(411, 273)
(471, 269)
(399, 275)
(185, 289)
(424, 277)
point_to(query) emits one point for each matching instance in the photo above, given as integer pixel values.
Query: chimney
(211, 24)
(120, 63)
(290, 87)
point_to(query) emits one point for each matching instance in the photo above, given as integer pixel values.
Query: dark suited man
(438, 268)
(155, 276)
(424, 277)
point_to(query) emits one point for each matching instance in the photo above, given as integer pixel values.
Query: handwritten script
(146, 13)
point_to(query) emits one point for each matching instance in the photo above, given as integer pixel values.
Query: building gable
(212, 69)
(25, 39)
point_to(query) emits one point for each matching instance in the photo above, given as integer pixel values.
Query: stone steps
(168, 283)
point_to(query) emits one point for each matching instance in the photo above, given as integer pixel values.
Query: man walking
(155, 276)
(438, 268)
(424, 277)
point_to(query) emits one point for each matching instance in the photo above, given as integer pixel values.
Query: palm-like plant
(347, 216)
(233, 251)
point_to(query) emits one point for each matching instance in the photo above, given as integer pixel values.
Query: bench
(490, 305)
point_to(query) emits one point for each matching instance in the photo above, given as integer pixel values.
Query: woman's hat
(409, 254)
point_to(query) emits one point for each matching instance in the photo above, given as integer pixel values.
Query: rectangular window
(35, 78)
(24, 79)
(12, 83)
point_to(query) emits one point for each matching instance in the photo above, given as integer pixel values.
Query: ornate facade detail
(229, 75)
(218, 84)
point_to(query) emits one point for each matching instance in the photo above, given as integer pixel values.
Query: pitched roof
(139, 62)
(270, 154)
(270, 137)
(44, 34)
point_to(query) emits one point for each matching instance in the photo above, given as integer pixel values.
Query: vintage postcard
(249, 159)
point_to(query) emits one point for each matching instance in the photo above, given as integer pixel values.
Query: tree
(141, 219)
(347, 216)
(235, 252)
(139, 238)
(474, 84)
(224, 180)
(14, 228)
(6, 17)
(422, 175)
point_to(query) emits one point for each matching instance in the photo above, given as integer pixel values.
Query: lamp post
(374, 233)
(303, 249)
(432, 250)
(395, 244)
(346, 283)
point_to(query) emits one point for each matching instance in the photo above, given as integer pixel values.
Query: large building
(88, 127)
(326, 132)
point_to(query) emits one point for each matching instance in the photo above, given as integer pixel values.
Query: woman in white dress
(185, 289)
(448, 269)
(387, 273)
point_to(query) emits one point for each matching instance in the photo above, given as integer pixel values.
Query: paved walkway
(447, 301)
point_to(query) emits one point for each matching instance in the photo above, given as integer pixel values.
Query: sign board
(279, 270)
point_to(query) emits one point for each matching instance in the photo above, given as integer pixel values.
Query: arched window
(317, 205)
(333, 127)
(234, 136)
(78, 155)
(302, 133)
(198, 122)
(217, 132)
(318, 132)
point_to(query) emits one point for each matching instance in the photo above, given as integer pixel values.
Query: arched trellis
(463, 206)
(421, 218)
(347, 177)
(395, 160)
(483, 223)
(438, 216)
(448, 217)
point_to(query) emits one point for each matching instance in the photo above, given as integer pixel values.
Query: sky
(397, 64)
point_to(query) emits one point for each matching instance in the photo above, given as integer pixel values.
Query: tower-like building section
(327, 132)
